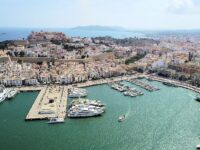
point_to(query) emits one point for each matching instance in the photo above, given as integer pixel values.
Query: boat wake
(192, 95)
(129, 110)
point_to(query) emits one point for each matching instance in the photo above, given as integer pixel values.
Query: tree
(9, 53)
(19, 61)
(16, 54)
(22, 54)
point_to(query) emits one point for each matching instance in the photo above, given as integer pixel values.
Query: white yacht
(87, 102)
(84, 111)
(77, 93)
(54, 120)
(3, 93)
(12, 93)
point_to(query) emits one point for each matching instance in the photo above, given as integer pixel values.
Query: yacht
(54, 120)
(3, 94)
(121, 118)
(77, 93)
(85, 108)
(84, 111)
(12, 94)
(87, 102)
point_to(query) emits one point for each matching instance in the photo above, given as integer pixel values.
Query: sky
(130, 14)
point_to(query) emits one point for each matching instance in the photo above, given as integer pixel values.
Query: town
(55, 58)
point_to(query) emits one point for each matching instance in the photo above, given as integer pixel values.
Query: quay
(51, 102)
(30, 88)
(175, 82)
(105, 81)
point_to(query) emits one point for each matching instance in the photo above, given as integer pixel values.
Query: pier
(143, 85)
(175, 82)
(51, 102)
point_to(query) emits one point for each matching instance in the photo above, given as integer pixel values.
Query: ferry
(55, 120)
(121, 118)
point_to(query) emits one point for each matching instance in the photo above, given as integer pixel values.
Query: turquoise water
(168, 119)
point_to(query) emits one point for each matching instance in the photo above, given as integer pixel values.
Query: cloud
(181, 6)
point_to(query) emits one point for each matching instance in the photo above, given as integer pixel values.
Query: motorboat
(121, 118)
(12, 94)
(55, 120)
(197, 98)
(77, 93)
(198, 147)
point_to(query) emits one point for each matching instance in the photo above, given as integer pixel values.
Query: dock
(51, 102)
(175, 82)
(105, 81)
(143, 85)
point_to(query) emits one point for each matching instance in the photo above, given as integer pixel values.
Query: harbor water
(168, 119)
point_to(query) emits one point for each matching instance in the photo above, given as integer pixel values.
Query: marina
(126, 90)
(144, 85)
(148, 119)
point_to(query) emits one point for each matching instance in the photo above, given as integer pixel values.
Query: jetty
(51, 102)
(175, 82)
(143, 85)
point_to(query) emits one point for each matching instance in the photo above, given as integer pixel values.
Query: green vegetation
(19, 61)
(134, 58)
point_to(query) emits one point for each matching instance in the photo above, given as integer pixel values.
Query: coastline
(60, 99)
(178, 83)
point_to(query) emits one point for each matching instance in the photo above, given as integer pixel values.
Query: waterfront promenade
(178, 83)
(109, 80)
(51, 102)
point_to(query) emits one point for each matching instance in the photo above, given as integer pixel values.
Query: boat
(3, 93)
(55, 120)
(197, 98)
(170, 84)
(77, 93)
(81, 111)
(87, 102)
(149, 79)
(121, 118)
(198, 147)
(85, 108)
(12, 94)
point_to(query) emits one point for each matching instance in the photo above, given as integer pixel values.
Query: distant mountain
(99, 28)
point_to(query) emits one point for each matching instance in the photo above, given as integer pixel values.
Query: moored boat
(55, 120)
(12, 94)
(77, 93)
(197, 98)
(170, 84)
